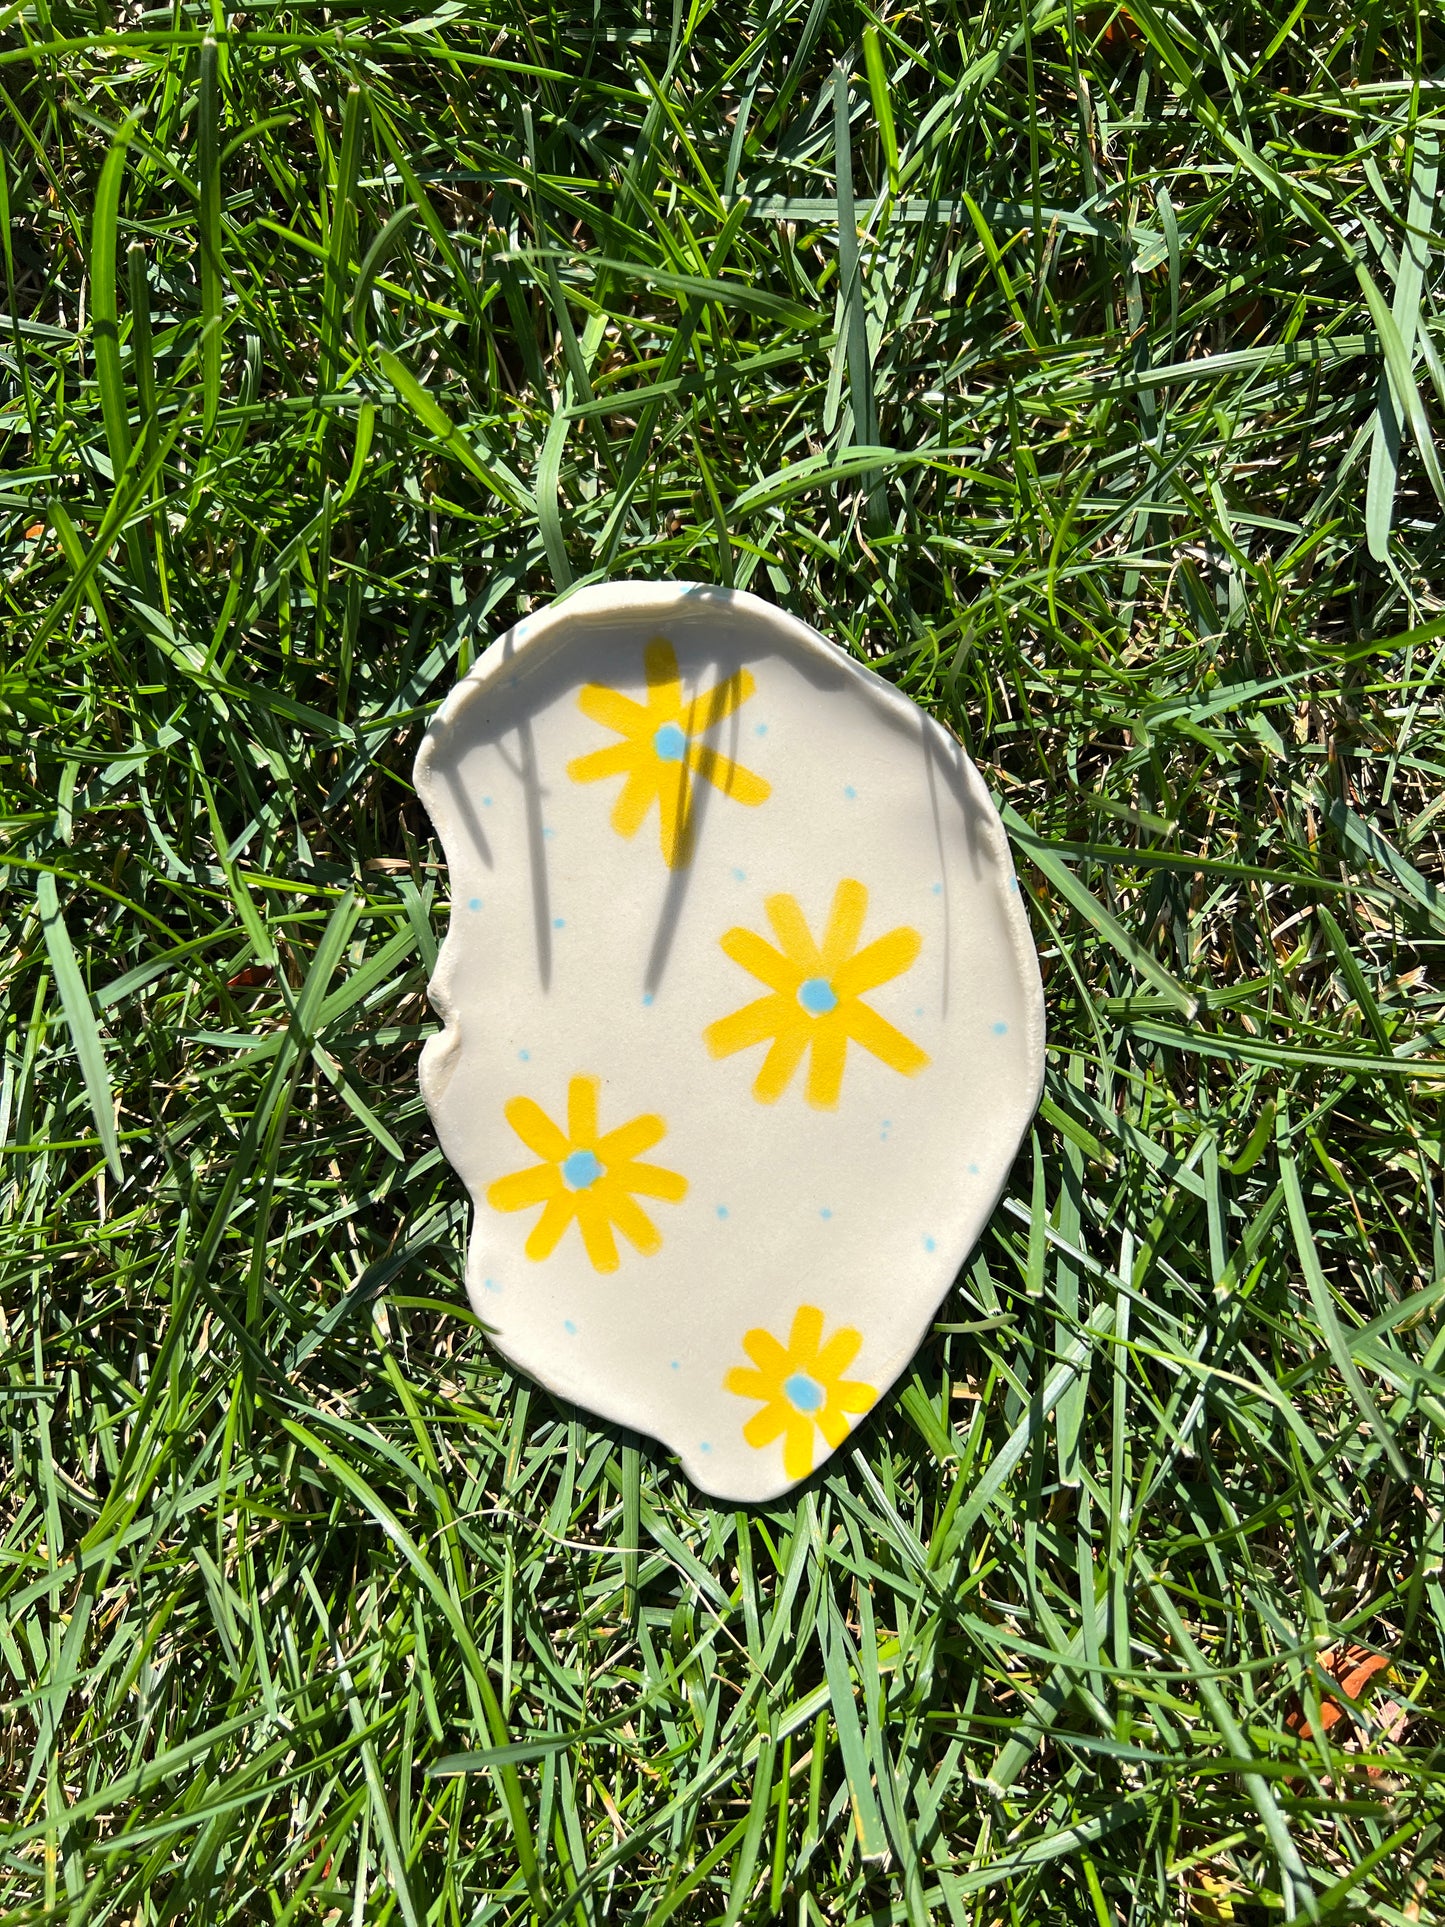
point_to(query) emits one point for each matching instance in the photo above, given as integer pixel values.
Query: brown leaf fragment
(1352, 1668)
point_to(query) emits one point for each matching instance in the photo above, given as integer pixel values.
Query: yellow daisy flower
(803, 1386)
(583, 1176)
(660, 753)
(815, 999)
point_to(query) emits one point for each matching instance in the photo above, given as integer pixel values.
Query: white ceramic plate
(743, 1020)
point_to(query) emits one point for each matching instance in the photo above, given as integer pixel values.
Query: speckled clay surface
(743, 1021)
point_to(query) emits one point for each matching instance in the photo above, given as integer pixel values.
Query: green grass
(1074, 368)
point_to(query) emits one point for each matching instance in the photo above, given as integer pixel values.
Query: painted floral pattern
(661, 753)
(801, 1388)
(815, 997)
(586, 1176)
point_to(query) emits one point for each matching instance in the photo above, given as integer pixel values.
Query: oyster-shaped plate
(743, 1020)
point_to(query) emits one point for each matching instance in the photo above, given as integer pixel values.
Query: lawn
(1075, 368)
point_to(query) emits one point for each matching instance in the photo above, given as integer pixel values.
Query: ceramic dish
(742, 1018)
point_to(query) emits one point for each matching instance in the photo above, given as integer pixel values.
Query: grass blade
(1320, 1298)
(1087, 904)
(882, 106)
(104, 310)
(868, 1822)
(1390, 408)
(208, 164)
(80, 1015)
(1256, 1785)
(339, 240)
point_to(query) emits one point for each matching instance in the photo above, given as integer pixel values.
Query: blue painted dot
(919, 1011)
(675, 1365)
(474, 903)
(740, 876)
(929, 1245)
(850, 792)
(825, 1212)
(581, 1169)
(938, 889)
(722, 1210)
(817, 996)
(559, 923)
(1013, 884)
(490, 1284)
(647, 996)
(670, 743)
(999, 1029)
(973, 1170)
(568, 1326)
(548, 831)
(703, 1446)
(486, 802)
(525, 1055)
(806, 1393)
(760, 729)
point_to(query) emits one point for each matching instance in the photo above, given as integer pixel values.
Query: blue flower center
(670, 743)
(817, 996)
(581, 1169)
(806, 1393)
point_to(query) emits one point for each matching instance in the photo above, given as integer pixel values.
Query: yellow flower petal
(612, 760)
(753, 1024)
(675, 807)
(523, 1188)
(664, 690)
(852, 1395)
(781, 1061)
(631, 1220)
(794, 935)
(798, 1448)
(718, 702)
(832, 1424)
(838, 1354)
(888, 957)
(536, 1129)
(750, 1384)
(614, 710)
(825, 1073)
(768, 1424)
(804, 1339)
(582, 1096)
(760, 960)
(652, 1181)
(635, 799)
(619, 1146)
(766, 1353)
(596, 1231)
(546, 1233)
(729, 777)
(845, 926)
(877, 1035)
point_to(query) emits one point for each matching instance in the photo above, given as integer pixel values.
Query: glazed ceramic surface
(743, 1021)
